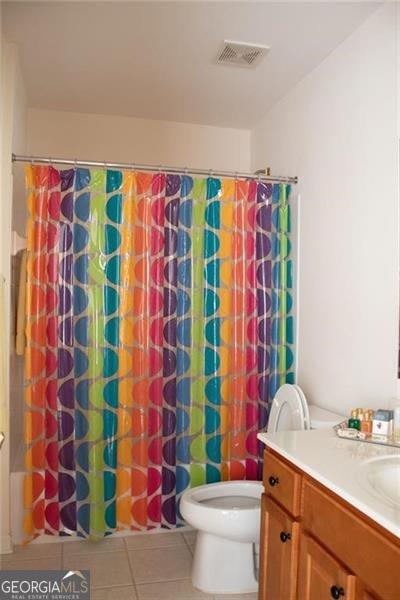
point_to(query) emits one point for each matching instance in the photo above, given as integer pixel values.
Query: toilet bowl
(227, 514)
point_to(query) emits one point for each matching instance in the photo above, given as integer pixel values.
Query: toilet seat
(232, 502)
(227, 490)
(288, 411)
(306, 410)
(215, 506)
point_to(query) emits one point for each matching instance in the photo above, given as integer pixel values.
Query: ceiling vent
(241, 54)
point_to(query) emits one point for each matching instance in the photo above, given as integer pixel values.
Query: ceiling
(155, 59)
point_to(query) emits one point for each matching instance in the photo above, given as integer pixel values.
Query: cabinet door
(278, 554)
(321, 577)
(364, 548)
(363, 594)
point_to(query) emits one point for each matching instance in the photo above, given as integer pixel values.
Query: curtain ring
(133, 167)
(210, 173)
(159, 168)
(186, 170)
(32, 160)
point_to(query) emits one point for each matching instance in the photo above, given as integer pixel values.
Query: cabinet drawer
(320, 575)
(282, 483)
(353, 541)
(279, 552)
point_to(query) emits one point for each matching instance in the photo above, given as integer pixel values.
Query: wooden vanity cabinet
(283, 484)
(316, 546)
(320, 575)
(279, 550)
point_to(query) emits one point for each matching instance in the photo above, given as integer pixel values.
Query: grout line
(189, 548)
(15, 561)
(140, 549)
(73, 554)
(111, 587)
(130, 568)
(165, 581)
(117, 586)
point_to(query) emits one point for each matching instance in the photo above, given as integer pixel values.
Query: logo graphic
(71, 573)
(44, 585)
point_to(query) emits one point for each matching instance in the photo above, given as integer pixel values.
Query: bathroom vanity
(330, 519)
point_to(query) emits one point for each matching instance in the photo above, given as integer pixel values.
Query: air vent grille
(241, 54)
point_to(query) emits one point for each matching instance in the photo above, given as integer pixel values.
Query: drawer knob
(284, 536)
(336, 592)
(273, 481)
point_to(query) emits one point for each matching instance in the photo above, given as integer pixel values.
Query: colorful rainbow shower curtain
(158, 331)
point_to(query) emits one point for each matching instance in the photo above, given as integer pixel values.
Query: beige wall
(337, 131)
(12, 111)
(19, 147)
(126, 139)
(20, 110)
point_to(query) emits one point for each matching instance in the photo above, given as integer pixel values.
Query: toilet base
(222, 566)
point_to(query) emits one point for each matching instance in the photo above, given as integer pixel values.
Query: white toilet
(227, 514)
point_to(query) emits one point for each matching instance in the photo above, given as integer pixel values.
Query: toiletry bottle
(366, 423)
(382, 422)
(354, 421)
(391, 422)
(371, 416)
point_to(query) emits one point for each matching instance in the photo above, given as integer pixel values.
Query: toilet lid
(287, 412)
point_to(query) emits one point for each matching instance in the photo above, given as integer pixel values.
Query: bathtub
(17, 509)
(17, 495)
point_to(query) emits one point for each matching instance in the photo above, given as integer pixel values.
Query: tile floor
(137, 567)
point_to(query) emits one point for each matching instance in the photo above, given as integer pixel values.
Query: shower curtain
(158, 331)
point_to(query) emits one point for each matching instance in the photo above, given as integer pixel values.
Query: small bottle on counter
(366, 423)
(382, 422)
(354, 421)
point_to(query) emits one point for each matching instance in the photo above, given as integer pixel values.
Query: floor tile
(154, 540)
(190, 537)
(160, 564)
(38, 564)
(29, 551)
(236, 596)
(114, 593)
(90, 547)
(172, 590)
(106, 570)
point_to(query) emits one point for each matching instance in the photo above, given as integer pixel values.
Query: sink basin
(381, 476)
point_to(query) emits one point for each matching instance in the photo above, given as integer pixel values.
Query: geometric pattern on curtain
(159, 328)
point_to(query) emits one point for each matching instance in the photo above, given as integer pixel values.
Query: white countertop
(339, 465)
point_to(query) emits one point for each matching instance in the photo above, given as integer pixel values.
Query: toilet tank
(320, 418)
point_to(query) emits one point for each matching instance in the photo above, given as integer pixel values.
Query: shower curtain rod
(128, 166)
